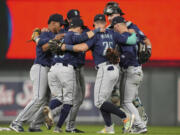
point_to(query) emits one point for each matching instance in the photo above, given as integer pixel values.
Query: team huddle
(119, 51)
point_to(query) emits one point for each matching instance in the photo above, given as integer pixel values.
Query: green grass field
(92, 129)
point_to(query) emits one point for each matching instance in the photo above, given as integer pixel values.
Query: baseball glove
(35, 34)
(144, 53)
(112, 56)
(55, 46)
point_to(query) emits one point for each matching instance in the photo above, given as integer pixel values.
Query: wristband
(69, 47)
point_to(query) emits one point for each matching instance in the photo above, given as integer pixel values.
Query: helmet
(112, 8)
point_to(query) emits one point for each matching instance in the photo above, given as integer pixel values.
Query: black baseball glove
(144, 53)
(55, 46)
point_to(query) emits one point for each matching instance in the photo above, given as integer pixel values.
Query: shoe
(75, 131)
(128, 122)
(107, 130)
(48, 117)
(47, 126)
(137, 130)
(34, 130)
(57, 130)
(16, 127)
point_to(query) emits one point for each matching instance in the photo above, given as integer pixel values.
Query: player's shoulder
(46, 34)
(86, 29)
(69, 33)
(131, 25)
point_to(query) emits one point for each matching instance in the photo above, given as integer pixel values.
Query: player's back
(99, 45)
(68, 57)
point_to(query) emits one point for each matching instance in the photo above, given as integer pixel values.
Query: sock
(111, 108)
(107, 118)
(63, 115)
(54, 103)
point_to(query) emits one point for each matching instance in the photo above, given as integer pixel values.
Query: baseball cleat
(137, 130)
(16, 127)
(107, 130)
(75, 131)
(57, 130)
(34, 130)
(128, 122)
(48, 117)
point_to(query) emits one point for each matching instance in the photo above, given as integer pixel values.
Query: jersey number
(106, 46)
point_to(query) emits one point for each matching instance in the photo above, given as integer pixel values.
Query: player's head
(99, 21)
(76, 25)
(112, 10)
(73, 13)
(119, 24)
(55, 22)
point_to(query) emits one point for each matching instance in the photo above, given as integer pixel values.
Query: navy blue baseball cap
(117, 20)
(56, 18)
(73, 13)
(76, 22)
(100, 17)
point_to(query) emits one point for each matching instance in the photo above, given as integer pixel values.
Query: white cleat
(107, 130)
(138, 130)
(57, 130)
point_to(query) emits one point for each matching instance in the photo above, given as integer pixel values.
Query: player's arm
(85, 36)
(147, 42)
(125, 38)
(43, 41)
(79, 47)
(75, 48)
(141, 36)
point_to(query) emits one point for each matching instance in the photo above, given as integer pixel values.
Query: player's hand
(59, 36)
(44, 30)
(131, 31)
(63, 47)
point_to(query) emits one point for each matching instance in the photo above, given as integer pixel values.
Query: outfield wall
(159, 92)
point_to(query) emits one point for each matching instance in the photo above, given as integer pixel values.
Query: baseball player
(131, 78)
(131, 67)
(108, 73)
(39, 118)
(80, 92)
(112, 10)
(62, 76)
(38, 74)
